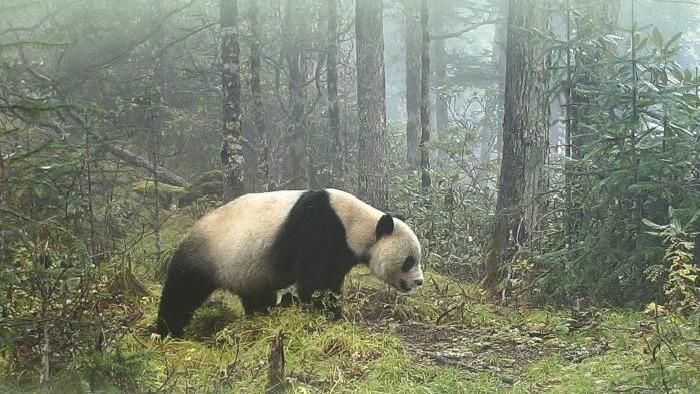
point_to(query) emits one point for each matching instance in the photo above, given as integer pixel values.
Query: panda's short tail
(188, 284)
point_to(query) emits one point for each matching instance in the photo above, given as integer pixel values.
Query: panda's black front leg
(324, 300)
(258, 303)
(322, 294)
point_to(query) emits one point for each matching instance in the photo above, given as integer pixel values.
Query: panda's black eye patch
(408, 264)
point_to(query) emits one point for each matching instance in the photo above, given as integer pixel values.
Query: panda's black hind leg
(258, 303)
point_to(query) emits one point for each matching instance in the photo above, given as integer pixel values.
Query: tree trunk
(336, 148)
(491, 129)
(232, 146)
(163, 174)
(373, 145)
(262, 150)
(440, 10)
(155, 89)
(413, 82)
(568, 131)
(298, 159)
(499, 61)
(525, 135)
(425, 95)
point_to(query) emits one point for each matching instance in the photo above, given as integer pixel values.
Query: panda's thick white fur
(263, 242)
(238, 237)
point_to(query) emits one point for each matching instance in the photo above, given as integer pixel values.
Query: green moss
(164, 189)
(519, 350)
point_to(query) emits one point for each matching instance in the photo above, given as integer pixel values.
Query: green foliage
(167, 194)
(679, 274)
(635, 143)
(56, 307)
(451, 218)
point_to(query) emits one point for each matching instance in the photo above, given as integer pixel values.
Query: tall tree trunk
(568, 131)
(425, 95)
(232, 146)
(373, 145)
(525, 136)
(596, 19)
(413, 82)
(155, 89)
(336, 148)
(491, 129)
(3, 251)
(256, 94)
(439, 64)
(298, 159)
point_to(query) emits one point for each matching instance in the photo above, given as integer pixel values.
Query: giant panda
(260, 243)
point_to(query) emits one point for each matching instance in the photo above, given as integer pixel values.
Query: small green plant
(680, 274)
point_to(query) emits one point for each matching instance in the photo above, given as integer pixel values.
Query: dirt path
(505, 349)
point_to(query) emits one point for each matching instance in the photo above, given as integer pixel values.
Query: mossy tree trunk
(335, 139)
(373, 145)
(525, 136)
(413, 82)
(491, 132)
(261, 138)
(441, 10)
(298, 155)
(425, 95)
(232, 161)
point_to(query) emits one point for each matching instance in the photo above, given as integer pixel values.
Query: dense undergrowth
(447, 338)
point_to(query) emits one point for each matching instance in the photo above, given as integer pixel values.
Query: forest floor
(446, 338)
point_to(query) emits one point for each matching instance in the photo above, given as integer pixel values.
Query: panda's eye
(408, 264)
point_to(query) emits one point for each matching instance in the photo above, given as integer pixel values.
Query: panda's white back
(239, 237)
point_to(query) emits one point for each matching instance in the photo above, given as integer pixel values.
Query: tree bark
(568, 131)
(373, 145)
(425, 95)
(491, 129)
(163, 174)
(440, 10)
(298, 159)
(413, 82)
(154, 94)
(525, 136)
(256, 94)
(336, 148)
(232, 160)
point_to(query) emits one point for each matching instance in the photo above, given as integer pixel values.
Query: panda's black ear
(385, 226)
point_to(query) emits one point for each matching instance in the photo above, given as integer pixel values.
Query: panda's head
(395, 257)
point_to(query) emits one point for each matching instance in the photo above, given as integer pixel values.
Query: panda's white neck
(359, 219)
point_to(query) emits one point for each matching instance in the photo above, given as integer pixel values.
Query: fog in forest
(544, 153)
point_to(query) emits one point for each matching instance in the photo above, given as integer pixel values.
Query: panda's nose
(418, 282)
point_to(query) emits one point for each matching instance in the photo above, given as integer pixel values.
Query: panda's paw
(328, 303)
(334, 314)
(288, 299)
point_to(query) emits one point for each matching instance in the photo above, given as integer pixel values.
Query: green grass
(446, 338)
(225, 351)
